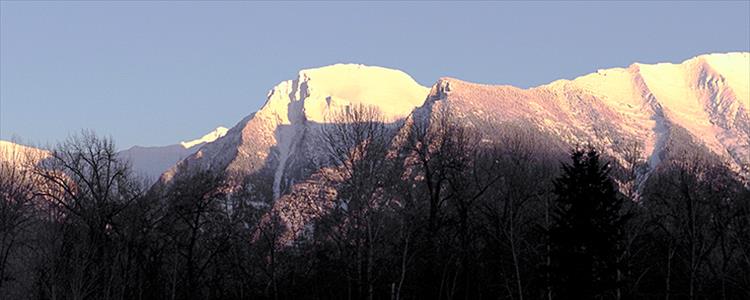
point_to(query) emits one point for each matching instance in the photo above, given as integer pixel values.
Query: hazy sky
(155, 73)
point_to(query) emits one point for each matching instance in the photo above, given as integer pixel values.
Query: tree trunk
(370, 261)
(403, 267)
(516, 263)
(549, 250)
(668, 281)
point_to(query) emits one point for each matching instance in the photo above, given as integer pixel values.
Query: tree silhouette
(587, 230)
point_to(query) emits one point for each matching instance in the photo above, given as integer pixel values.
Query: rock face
(279, 141)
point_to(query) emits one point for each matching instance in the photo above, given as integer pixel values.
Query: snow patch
(209, 137)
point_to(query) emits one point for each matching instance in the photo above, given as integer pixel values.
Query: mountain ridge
(147, 161)
(707, 95)
(152, 161)
(612, 110)
(632, 99)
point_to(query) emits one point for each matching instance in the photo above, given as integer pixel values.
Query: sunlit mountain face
(705, 96)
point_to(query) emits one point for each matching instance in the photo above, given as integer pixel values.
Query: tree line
(435, 209)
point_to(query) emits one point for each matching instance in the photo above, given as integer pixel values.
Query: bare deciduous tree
(17, 206)
(357, 140)
(90, 189)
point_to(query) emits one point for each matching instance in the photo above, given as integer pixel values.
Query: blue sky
(155, 73)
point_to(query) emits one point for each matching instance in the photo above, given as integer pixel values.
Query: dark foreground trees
(84, 252)
(587, 234)
(438, 210)
(17, 215)
(697, 210)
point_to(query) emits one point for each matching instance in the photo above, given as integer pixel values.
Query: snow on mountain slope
(17, 153)
(209, 137)
(706, 95)
(151, 162)
(278, 141)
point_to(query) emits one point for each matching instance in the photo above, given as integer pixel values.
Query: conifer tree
(587, 229)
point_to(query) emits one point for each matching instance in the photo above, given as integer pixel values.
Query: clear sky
(156, 73)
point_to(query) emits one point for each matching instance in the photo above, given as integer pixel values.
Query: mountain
(702, 103)
(148, 162)
(706, 96)
(151, 162)
(275, 155)
(278, 143)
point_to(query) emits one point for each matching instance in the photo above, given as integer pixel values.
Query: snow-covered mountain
(148, 162)
(275, 154)
(707, 96)
(701, 102)
(704, 100)
(151, 162)
(277, 143)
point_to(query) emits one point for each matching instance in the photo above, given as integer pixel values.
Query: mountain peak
(317, 91)
(277, 138)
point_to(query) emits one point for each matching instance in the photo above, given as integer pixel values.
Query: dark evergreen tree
(587, 229)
